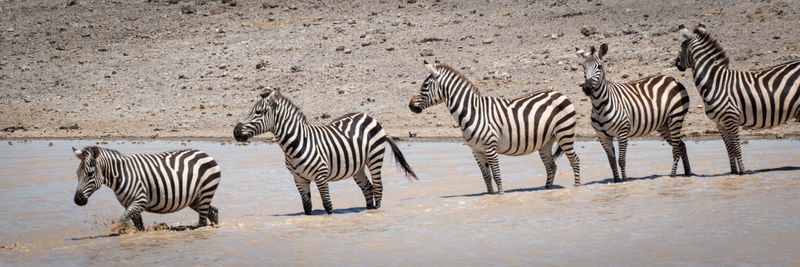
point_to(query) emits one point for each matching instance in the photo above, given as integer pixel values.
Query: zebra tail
(401, 160)
(558, 152)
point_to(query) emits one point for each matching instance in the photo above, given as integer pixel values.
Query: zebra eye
(259, 112)
(90, 174)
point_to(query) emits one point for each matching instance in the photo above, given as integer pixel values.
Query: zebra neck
(708, 63)
(602, 96)
(112, 167)
(461, 99)
(291, 128)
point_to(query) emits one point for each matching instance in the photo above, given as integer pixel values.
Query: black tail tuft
(401, 160)
(558, 152)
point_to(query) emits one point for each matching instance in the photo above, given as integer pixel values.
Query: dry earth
(81, 68)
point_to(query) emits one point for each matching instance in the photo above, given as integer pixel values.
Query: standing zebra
(753, 99)
(161, 183)
(493, 126)
(323, 153)
(637, 108)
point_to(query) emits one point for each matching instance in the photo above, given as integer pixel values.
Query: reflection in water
(443, 219)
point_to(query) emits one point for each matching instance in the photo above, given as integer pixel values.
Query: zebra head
(261, 118)
(88, 176)
(430, 93)
(685, 60)
(593, 72)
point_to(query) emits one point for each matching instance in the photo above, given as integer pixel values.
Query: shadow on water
(322, 212)
(611, 180)
(530, 189)
(153, 228)
(776, 169)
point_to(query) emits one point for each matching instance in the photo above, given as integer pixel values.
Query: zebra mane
(459, 74)
(291, 105)
(95, 151)
(722, 57)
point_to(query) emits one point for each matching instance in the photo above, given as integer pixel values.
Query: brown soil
(146, 69)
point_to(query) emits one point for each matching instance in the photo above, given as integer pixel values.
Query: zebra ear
(581, 53)
(701, 29)
(272, 95)
(603, 50)
(432, 69)
(78, 153)
(684, 31)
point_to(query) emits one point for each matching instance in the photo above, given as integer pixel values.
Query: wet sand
(443, 219)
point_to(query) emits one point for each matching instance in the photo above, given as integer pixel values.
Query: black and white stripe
(624, 110)
(493, 126)
(752, 99)
(349, 146)
(160, 183)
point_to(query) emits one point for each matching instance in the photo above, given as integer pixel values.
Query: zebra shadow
(322, 212)
(517, 190)
(748, 172)
(629, 179)
(154, 228)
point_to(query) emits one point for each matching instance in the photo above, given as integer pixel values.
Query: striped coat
(623, 110)
(160, 183)
(733, 99)
(493, 126)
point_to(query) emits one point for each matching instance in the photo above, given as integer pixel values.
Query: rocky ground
(191, 69)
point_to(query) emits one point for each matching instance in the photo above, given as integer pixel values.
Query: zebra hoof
(548, 187)
(370, 206)
(308, 212)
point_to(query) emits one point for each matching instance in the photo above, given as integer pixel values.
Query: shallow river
(443, 219)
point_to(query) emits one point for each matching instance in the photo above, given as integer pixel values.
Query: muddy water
(443, 219)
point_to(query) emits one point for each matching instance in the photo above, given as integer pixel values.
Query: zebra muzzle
(412, 107)
(237, 133)
(80, 200)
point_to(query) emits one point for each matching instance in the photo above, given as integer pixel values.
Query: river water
(442, 219)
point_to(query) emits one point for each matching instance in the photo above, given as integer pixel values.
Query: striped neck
(291, 126)
(111, 164)
(460, 95)
(708, 59)
(601, 95)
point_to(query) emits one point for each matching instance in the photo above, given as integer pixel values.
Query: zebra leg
(324, 193)
(726, 138)
(608, 145)
(202, 214)
(213, 216)
(366, 188)
(676, 152)
(567, 145)
(546, 154)
(304, 187)
(375, 174)
(623, 149)
(137, 221)
(483, 164)
(494, 165)
(687, 170)
(733, 135)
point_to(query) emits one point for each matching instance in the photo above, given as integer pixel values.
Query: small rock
(427, 52)
(488, 41)
(172, 2)
(553, 36)
(366, 43)
(390, 48)
(269, 4)
(261, 65)
(340, 48)
(325, 116)
(411, 1)
(295, 69)
(588, 30)
(188, 10)
(50, 144)
(222, 66)
(72, 2)
(412, 134)
(348, 51)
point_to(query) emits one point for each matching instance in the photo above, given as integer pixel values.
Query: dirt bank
(191, 68)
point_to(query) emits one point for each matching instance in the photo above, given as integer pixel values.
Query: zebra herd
(354, 144)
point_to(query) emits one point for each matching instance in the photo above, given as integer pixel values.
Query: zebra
(493, 126)
(752, 99)
(624, 110)
(161, 183)
(323, 153)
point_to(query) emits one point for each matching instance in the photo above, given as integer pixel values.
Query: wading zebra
(493, 126)
(752, 99)
(160, 183)
(349, 146)
(624, 110)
